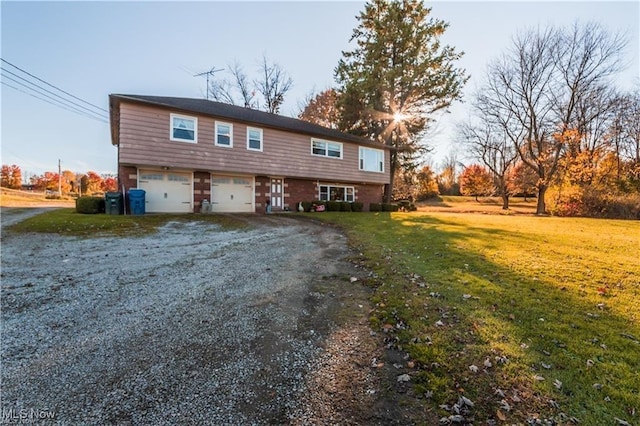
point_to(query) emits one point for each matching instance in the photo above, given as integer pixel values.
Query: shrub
(333, 206)
(357, 207)
(345, 207)
(375, 207)
(387, 207)
(406, 206)
(589, 202)
(90, 205)
(307, 205)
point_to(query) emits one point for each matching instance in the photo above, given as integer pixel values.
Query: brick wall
(127, 176)
(367, 194)
(201, 189)
(307, 190)
(263, 192)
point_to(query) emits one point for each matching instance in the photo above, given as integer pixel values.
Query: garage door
(166, 192)
(232, 194)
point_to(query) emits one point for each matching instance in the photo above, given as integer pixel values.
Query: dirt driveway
(191, 325)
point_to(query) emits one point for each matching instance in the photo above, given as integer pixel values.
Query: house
(184, 151)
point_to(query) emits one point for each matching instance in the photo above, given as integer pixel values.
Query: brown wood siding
(144, 141)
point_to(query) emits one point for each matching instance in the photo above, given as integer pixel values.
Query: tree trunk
(388, 188)
(541, 207)
(505, 202)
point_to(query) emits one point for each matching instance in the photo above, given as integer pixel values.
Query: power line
(60, 105)
(55, 87)
(52, 93)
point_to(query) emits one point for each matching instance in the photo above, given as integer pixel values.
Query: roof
(233, 112)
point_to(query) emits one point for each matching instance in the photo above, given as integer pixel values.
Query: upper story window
(224, 134)
(371, 160)
(326, 148)
(183, 128)
(254, 139)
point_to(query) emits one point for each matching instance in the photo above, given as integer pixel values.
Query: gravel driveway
(191, 325)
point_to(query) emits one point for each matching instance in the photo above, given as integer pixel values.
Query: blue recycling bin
(136, 201)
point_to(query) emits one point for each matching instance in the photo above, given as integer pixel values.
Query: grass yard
(69, 222)
(528, 317)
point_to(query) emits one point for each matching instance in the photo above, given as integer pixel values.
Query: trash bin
(136, 201)
(113, 203)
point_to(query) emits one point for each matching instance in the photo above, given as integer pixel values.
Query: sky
(93, 49)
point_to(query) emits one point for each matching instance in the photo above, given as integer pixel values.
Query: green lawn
(528, 317)
(69, 222)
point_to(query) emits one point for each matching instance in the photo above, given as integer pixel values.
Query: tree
(11, 176)
(536, 93)
(426, 184)
(447, 179)
(322, 109)
(396, 77)
(109, 184)
(522, 179)
(476, 181)
(273, 84)
(492, 147)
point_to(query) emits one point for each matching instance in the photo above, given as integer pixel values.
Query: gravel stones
(191, 325)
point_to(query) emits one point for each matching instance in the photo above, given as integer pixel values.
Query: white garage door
(166, 192)
(232, 194)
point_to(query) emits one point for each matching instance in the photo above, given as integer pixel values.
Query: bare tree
(534, 92)
(489, 144)
(273, 85)
(238, 89)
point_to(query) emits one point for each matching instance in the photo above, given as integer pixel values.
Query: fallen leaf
(557, 383)
(473, 368)
(538, 378)
(353, 279)
(404, 378)
(500, 415)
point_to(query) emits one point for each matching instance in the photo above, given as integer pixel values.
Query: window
(337, 193)
(152, 176)
(224, 134)
(371, 160)
(183, 128)
(326, 148)
(177, 178)
(254, 139)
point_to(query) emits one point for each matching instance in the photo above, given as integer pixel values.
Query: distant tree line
(70, 182)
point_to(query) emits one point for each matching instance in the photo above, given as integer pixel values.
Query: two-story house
(183, 151)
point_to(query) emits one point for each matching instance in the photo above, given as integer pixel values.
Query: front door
(276, 193)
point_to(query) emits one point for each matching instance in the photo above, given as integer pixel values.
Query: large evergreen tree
(396, 77)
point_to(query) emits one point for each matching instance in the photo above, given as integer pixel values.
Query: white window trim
(361, 159)
(326, 142)
(215, 135)
(184, 117)
(345, 187)
(249, 129)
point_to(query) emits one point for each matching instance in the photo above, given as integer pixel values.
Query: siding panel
(144, 141)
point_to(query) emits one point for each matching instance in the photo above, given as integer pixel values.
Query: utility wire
(48, 91)
(54, 104)
(55, 87)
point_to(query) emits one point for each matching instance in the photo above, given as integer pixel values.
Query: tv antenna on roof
(207, 74)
